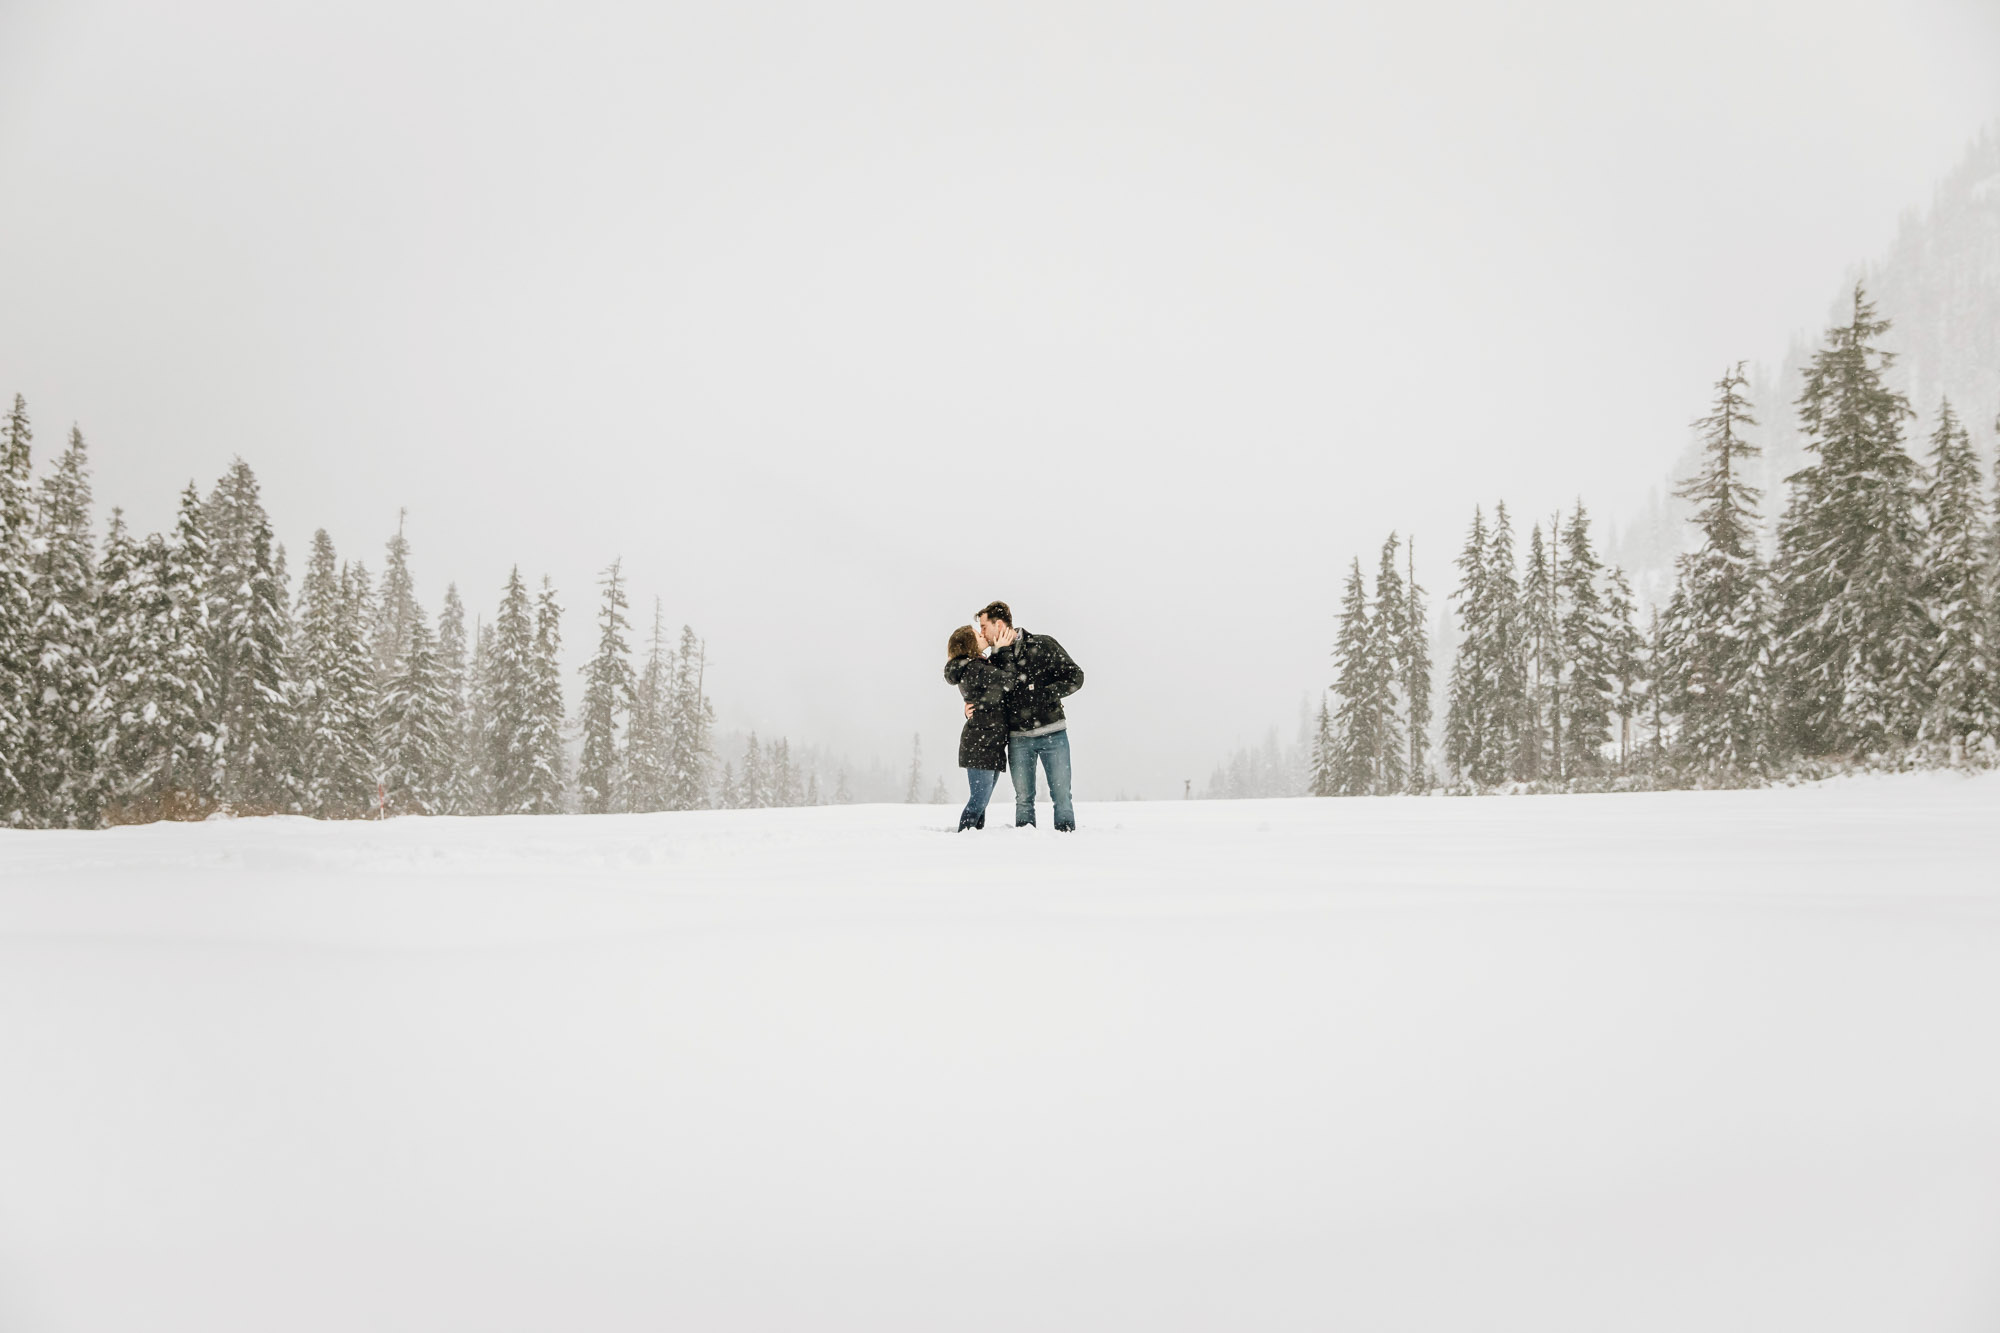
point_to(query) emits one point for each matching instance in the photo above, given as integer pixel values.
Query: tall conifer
(1538, 753)
(1391, 633)
(1357, 720)
(415, 726)
(691, 724)
(510, 701)
(1416, 673)
(178, 705)
(1718, 622)
(784, 777)
(455, 675)
(1508, 648)
(1324, 769)
(1585, 640)
(249, 626)
(544, 741)
(1625, 660)
(608, 702)
(1469, 720)
(476, 789)
(62, 737)
(16, 611)
(1960, 676)
(753, 784)
(333, 689)
(395, 609)
(1852, 630)
(124, 652)
(646, 739)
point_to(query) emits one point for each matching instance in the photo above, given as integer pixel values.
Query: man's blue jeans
(1053, 750)
(981, 781)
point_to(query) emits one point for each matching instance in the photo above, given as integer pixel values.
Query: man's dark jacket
(1045, 675)
(982, 742)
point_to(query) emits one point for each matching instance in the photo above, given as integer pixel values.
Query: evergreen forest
(1863, 636)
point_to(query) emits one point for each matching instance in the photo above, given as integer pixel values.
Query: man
(1036, 728)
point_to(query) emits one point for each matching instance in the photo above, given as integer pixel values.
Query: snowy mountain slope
(1714, 1060)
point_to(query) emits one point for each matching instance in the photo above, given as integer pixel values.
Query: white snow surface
(1709, 1061)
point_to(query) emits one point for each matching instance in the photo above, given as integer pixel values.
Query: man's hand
(968, 712)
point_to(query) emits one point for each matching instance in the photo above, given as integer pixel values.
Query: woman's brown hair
(964, 642)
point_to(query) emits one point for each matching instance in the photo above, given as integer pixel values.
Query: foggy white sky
(836, 324)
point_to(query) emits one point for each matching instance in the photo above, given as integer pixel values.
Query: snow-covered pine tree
(842, 795)
(475, 772)
(690, 725)
(454, 675)
(1324, 769)
(1509, 647)
(1625, 660)
(1469, 721)
(543, 742)
(249, 627)
(753, 785)
(939, 796)
(151, 661)
(729, 794)
(1391, 646)
(314, 663)
(61, 755)
(646, 739)
(812, 788)
(1852, 636)
(353, 790)
(1416, 672)
(1962, 682)
(333, 689)
(510, 689)
(914, 794)
(1540, 745)
(1585, 639)
(173, 764)
(415, 727)
(1717, 676)
(123, 648)
(1653, 676)
(1357, 720)
(784, 778)
(609, 698)
(396, 608)
(1993, 565)
(16, 611)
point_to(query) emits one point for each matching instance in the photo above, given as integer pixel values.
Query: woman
(982, 744)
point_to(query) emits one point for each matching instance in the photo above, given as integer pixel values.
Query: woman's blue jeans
(981, 781)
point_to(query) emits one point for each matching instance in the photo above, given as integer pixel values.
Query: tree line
(174, 675)
(1866, 631)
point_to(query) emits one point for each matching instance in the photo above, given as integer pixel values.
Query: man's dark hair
(997, 611)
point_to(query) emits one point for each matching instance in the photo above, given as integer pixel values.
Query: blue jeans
(1054, 753)
(981, 781)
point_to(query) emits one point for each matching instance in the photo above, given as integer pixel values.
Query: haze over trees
(1868, 633)
(178, 674)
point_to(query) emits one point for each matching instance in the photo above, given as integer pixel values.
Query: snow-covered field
(1676, 1062)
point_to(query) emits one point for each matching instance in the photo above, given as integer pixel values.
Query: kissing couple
(1014, 684)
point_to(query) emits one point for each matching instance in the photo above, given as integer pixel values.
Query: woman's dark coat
(983, 741)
